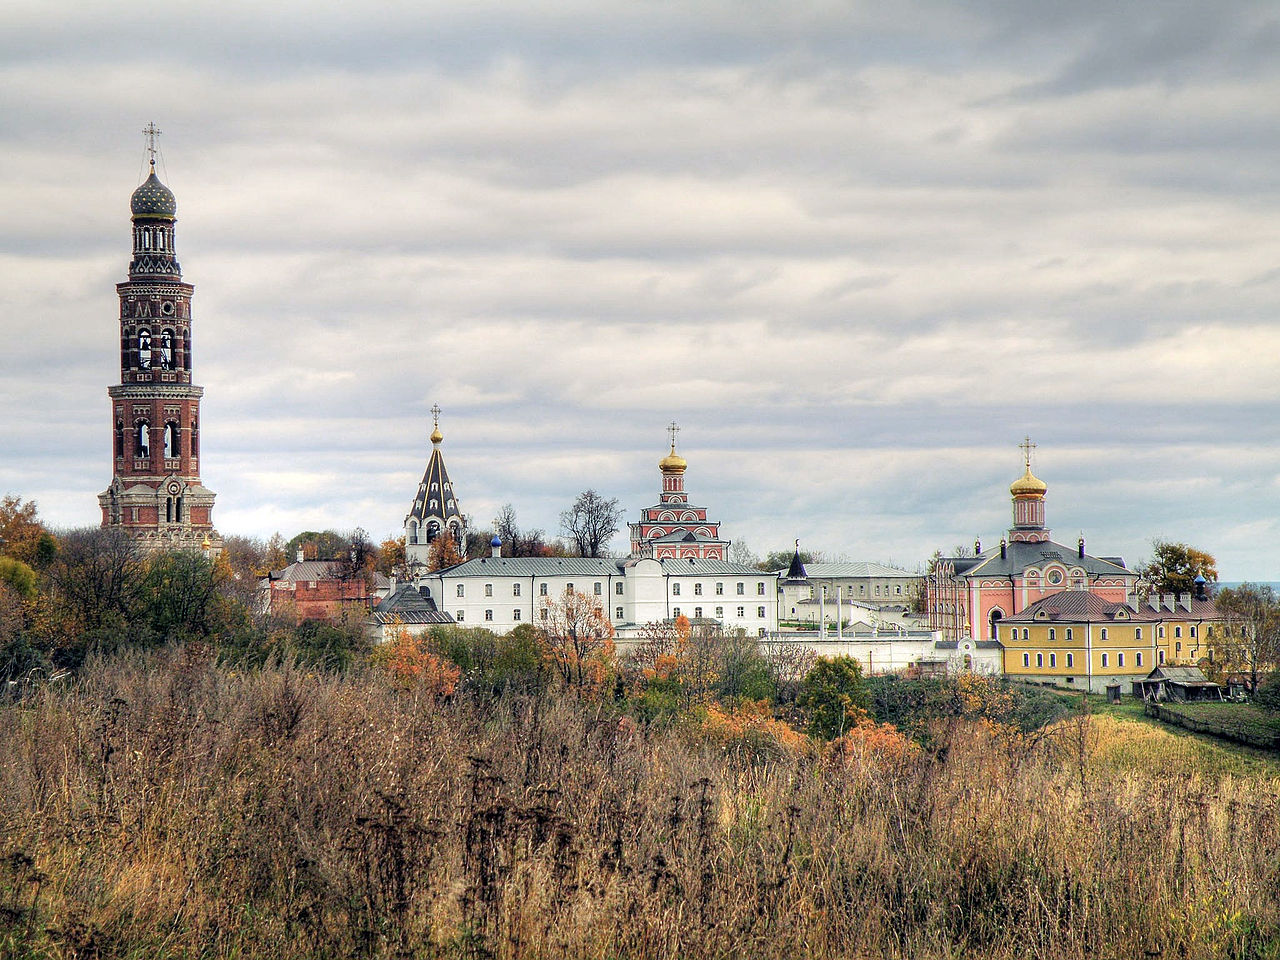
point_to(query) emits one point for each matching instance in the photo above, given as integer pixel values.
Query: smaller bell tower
(155, 493)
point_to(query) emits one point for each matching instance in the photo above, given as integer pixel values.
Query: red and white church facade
(673, 528)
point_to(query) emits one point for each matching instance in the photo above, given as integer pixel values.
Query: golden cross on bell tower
(435, 414)
(673, 430)
(1026, 446)
(152, 131)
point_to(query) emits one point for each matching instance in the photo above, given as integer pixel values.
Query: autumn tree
(591, 522)
(22, 534)
(1173, 567)
(412, 665)
(443, 552)
(276, 553)
(1250, 642)
(741, 553)
(391, 557)
(576, 639)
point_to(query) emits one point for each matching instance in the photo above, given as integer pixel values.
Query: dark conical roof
(797, 571)
(435, 493)
(153, 199)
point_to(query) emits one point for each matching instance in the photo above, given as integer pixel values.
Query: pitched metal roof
(855, 568)
(411, 616)
(534, 567)
(592, 566)
(309, 570)
(1021, 554)
(405, 599)
(1078, 606)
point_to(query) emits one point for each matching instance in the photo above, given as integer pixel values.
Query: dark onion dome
(153, 199)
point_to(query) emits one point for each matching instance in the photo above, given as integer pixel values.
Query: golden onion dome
(673, 462)
(436, 435)
(1028, 486)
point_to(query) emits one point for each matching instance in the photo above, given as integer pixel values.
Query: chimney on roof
(977, 547)
(299, 553)
(1080, 545)
(1166, 600)
(1004, 549)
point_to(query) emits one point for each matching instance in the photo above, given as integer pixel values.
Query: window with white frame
(462, 589)
(675, 611)
(697, 613)
(488, 589)
(617, 588)
(1071, 660)
(1053, 659)
(1104, 659)
(719, 589)
(488, 614)
(542, 589)
(697, 589)
(1039, 659)
(1120, 659)
(515, 589)
(1026, 659)
(1139, 658)
(742, 611)
(742, 588)
(460, 615)
(760, 613)
(675, 589)
(617, 613)
(515, 614)
(719, 612)
(760, 588)
(597, 588)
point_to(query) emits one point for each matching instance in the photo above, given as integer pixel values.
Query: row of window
(172, 440)
(146, 238)
(1070, 659)
(697, 612)
(862, 588)
(740, 589)
(597, 588)
(461, 615)
(1104, 634)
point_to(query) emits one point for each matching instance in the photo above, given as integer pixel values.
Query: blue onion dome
(153, 199)
(495, 542)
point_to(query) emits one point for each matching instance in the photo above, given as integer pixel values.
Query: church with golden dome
(673, 528)
(968, 596)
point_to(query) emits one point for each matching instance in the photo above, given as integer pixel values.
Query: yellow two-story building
(1077, 639)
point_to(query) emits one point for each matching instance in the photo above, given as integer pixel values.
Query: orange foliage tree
(444, 552)
(577, 639)
(412, 665)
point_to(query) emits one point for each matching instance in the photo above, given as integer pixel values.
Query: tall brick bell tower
(155, 493)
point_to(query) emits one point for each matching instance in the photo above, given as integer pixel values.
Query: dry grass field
(167, 806)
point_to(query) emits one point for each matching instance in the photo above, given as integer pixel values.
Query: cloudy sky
(858, 250)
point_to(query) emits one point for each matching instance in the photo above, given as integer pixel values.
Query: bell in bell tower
(155, 494)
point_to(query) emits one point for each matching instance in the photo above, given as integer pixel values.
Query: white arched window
(142, 440)
(144, 349)
(172, 441)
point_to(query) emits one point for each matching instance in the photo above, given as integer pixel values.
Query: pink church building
(969, 596)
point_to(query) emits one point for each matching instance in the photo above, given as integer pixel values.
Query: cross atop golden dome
(673, 462)
(1028, 486)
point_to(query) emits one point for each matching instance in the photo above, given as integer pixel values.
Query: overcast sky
(857, 250)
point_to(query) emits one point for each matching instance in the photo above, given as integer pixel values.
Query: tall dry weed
(170, 806)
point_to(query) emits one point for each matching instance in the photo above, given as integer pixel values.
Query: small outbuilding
(1182, 684)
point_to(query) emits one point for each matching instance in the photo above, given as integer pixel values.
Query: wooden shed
(1183, 684)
